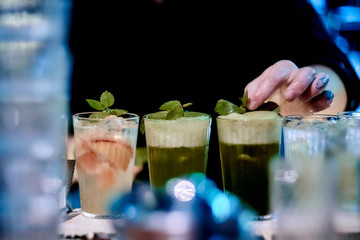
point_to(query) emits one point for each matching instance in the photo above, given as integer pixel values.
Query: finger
(321, 101)
(316, 87)
(299, 81)
(270, 80)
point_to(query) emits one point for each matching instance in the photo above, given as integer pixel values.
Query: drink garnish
(224, 107)
(170, 110)
(106, 100)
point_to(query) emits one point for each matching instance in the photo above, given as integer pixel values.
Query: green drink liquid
(245, 172)
(170, 162)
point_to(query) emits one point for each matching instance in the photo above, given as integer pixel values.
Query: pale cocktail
(105, 152)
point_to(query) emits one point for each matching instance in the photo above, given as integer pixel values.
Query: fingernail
(329, 96)
(322, 82)
(313, 75)
(289, 94)
(251, 104)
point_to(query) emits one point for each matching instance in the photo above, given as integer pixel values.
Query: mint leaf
(142, 126)
(107, 99)
(118, 112)
(224, 107)
(194, 114)
(96, 104)
(99, 115)
(175, 113)
(169, 105)
(244, 100)
(156, 115)
(170, 110)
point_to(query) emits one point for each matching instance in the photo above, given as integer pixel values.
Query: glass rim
(349, 113)
(203, 117)
(309, 115)
(224, 118)
(130, 117)
(290, 121)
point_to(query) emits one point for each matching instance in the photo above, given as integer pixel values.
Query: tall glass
(247, 143)
(105, 154)
(176, 147)
(305, 182)
(301, 200)
(348, 190)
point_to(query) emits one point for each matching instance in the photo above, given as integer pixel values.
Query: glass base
(101, 216)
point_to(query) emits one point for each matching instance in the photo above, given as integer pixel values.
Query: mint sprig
(170, 110)
(224, 107)
(106, 101)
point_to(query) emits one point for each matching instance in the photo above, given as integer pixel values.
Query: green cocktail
(247, 143)
(245, 169)
(167, 163)
(177, 147)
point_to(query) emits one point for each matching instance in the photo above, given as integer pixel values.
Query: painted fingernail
(329, 96)
(322, 82)
(289, 94)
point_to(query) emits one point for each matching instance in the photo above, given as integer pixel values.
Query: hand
(295, 90)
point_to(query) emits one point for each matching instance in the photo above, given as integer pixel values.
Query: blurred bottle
(189, 209)
(35, 67)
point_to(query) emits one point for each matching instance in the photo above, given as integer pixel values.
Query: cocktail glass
(304, 189)
(348, 190)
(247, 143)
(176, 147)
(105, 153)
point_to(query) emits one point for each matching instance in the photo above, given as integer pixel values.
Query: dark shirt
(196, 51)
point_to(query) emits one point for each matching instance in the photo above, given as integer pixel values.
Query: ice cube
(114, 123)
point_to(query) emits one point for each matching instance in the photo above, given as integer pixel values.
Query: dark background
(147, 53)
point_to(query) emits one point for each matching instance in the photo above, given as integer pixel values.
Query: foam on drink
(252, 124)
(182, 132)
